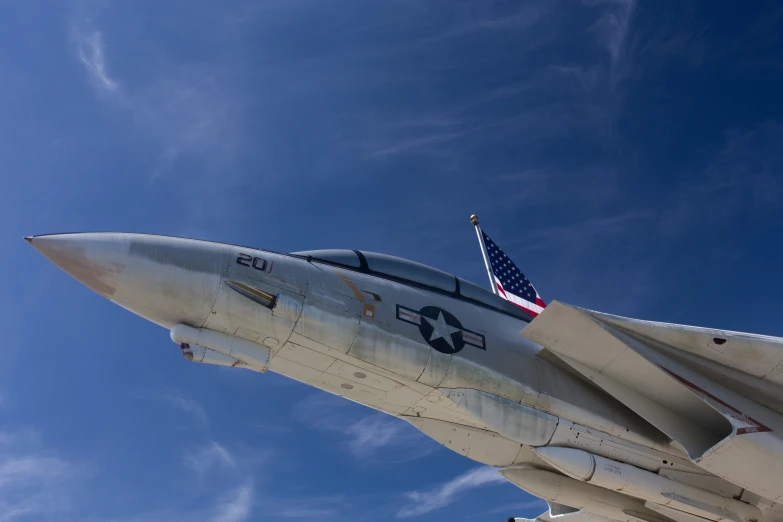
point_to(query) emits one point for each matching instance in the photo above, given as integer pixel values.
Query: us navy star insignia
(440, 329)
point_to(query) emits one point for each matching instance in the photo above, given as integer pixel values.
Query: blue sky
(627, 156)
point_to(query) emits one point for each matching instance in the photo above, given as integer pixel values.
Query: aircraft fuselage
(411, 341)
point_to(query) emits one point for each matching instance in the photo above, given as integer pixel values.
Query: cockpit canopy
(404, 270)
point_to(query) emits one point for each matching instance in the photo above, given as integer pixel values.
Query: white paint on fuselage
(342, 338)
(385, 364)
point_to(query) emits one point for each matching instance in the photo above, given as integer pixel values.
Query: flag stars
(515, 285)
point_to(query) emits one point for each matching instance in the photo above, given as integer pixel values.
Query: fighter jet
(604, 417)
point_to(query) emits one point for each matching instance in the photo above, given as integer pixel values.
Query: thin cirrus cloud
(34, 481)
(421, 502)
(519, 20)
(517, 508)
(177, 400)
(559, 96)
(90, 50)
(212, 455)
(372, 433)
(233, 505)
(224, 482)
(613, 26)
(236, 505)
(182, 106)
(313, 507)
(367, 437)
(187, 405)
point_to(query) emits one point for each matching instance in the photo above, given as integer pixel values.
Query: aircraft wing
(715, 393)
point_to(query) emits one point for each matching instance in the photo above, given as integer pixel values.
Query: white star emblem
(440, 329)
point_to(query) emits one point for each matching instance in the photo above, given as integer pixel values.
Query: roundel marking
(441, 329)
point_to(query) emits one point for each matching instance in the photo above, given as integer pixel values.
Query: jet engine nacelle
(218, 348)
(200, 354)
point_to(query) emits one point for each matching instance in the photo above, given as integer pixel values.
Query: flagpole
(492, 285)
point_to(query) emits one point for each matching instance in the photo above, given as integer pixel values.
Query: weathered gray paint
(339, 331)
(185, 255)
(515, 421)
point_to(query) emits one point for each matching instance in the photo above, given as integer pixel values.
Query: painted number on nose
(251, 262)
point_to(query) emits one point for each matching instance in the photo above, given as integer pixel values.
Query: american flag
(511, 283)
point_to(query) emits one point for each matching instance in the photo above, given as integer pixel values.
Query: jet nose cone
(91, 259)
(164, 279)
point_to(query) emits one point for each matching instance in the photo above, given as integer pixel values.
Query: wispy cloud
(187, 405)
(534, 507)
(305, 512)
(224, 487)
(583, 234)
(236, 505)
(520, 19)
(313, 507)
(179, 401)
(181, 106)
(742, 176)
(268, 428)
(421, 502)
(90, 50)
(34, 480)
(362, 435)
(213, 455)
(23, 470)
(232, 504)
(613, 26)
(562, 94)
(416, 144)
(19, 438)
(375, 432)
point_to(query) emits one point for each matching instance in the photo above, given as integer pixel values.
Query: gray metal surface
(448, 357)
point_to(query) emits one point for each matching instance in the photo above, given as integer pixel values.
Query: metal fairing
(514, 421)
(478, 444)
